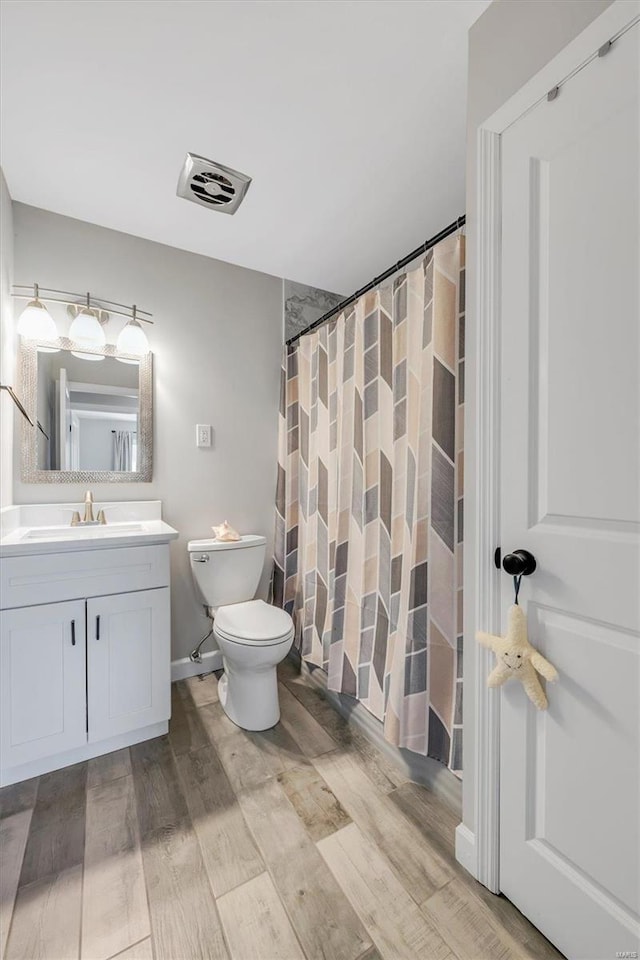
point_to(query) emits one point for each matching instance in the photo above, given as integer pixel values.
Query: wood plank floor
(300, 843)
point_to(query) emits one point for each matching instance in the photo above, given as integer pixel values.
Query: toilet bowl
(253, 636)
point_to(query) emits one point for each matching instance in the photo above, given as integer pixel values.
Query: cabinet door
(128, 662)
(43, 682)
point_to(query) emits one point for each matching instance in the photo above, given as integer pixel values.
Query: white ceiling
(349, 116)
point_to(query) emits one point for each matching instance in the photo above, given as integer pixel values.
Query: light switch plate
(203, 434)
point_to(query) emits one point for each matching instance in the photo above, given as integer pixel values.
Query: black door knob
(520, 563)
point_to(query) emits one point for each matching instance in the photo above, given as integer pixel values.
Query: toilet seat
(254, 623)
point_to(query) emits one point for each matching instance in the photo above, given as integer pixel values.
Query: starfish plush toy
(517, 658)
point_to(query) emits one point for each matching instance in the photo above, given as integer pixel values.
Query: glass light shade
(36, 323)
(132, 339)
(86, 331)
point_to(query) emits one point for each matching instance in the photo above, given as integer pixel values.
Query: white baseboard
(466, 849)
(181, 669)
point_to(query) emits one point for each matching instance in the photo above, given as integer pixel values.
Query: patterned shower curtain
(369, 503)
(122, 451)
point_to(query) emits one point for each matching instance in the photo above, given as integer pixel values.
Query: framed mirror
(93, 414)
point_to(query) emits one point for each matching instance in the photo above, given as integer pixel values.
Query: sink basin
(44, 528)
(78, 533)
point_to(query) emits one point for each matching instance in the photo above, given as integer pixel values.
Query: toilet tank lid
(206, 546)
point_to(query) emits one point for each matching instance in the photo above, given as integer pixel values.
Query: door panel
(570, 493)
(584, 369)
(130, 641)
(587, 347)
(43, 681)
(591, 725)
(128, 662)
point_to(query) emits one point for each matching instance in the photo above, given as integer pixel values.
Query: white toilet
(252, 635)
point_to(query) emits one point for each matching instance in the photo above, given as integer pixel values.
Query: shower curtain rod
(442, 235)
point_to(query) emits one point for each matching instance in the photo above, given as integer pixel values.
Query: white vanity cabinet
(43, 704)
(128, 662)
(84, 654)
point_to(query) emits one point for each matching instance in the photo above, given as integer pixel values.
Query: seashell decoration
(225, 532)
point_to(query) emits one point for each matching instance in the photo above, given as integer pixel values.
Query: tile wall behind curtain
(369, 503)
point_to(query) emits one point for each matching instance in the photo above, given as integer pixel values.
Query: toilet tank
(227, 571)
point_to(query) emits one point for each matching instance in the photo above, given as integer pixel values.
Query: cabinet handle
(73, 633)
(98, 627)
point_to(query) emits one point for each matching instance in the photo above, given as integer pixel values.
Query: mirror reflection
(88, 413)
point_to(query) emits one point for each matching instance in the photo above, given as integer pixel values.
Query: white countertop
(46, 528)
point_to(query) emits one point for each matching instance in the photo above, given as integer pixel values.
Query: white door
(570, 491)
(64, 421)
(43, 681)
(128, 662)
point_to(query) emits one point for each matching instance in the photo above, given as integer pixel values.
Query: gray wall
(7, 344)
(508, 45)
(217, 344)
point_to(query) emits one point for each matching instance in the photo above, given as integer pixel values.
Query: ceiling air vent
(212, 184)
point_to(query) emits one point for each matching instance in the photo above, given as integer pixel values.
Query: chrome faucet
(88, 518)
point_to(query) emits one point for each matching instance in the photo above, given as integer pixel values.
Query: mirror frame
(29, 379)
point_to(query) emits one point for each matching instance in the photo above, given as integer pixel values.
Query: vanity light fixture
(36, 323)
(86, 331)
(132, 338)
(89, 314)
